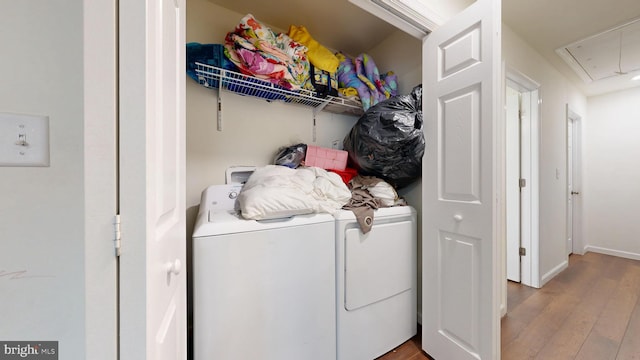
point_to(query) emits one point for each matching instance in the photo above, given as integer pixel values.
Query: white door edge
(578, 244)
(512, 156)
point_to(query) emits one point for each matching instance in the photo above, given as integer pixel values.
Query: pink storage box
(326, 158)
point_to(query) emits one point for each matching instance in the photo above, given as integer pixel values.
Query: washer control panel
(223, 197)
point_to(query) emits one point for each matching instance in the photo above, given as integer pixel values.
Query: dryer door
(379, 264)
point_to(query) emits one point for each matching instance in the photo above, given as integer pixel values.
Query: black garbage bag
(387, 141)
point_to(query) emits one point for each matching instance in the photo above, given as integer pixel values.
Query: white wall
(57, 269)
(611, 174)
(407, 67)
(41, 227)
(556, 92)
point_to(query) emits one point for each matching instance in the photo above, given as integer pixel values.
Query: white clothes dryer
(262, 289)
(376, 282)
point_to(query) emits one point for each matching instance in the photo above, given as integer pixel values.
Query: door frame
(100, 179)
(576, 211)
(513, 193)
(530, 161)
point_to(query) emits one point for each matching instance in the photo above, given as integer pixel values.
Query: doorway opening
(522, 185)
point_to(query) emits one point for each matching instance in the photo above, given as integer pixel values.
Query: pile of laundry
(256, 50)
(295, 61)
(360, 78)
(274, 191)
(292, 186)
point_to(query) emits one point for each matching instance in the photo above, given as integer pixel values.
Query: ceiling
(547, 25)
(336, 22)
(609, 54)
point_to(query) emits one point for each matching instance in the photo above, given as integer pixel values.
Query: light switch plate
(24, 140)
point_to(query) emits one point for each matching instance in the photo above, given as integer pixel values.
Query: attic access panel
(612, 53)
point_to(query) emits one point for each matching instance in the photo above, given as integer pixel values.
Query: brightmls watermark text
(29, 350)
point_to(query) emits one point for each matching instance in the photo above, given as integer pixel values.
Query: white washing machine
(376, 282)
(262, 289)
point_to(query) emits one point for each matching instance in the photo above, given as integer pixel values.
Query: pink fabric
(259, 52)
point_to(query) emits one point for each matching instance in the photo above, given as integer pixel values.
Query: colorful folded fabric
(363, 76)
(348, 92)
(256, 50)
(208, 54)
(348, 78)
(319, 56)
(367, 72)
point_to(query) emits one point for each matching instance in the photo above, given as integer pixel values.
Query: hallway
(589, 311)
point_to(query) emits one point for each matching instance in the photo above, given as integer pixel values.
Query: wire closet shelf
(215, 77)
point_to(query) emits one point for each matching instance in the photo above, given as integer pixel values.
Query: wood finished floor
(590, 311)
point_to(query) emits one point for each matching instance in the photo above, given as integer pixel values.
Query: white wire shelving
(219, 78)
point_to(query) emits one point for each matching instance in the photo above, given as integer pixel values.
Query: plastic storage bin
(326, 158)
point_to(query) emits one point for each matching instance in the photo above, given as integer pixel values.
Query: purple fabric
(363, 75)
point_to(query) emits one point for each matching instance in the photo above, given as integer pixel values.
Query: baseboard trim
(555, 271)
(612, 252)
(503, 310)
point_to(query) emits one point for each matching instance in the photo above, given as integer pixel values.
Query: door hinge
(523, 251)
(117, 236)
(523, 183)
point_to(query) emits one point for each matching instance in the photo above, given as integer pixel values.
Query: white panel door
(152, 180)
(460, 269)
